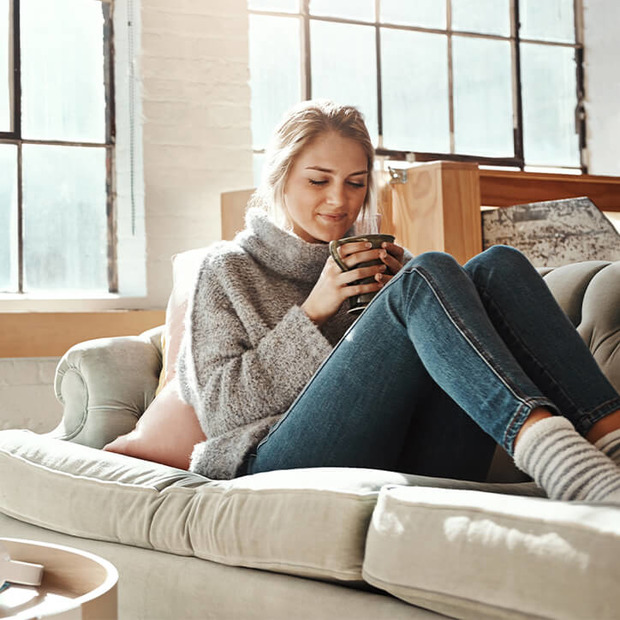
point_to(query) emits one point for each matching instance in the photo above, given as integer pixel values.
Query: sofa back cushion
(589, 293)
(168, 430)
(185, 267)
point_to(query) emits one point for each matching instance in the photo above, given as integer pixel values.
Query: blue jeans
(445, 362)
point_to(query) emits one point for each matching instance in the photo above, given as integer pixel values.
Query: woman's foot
(564, 464)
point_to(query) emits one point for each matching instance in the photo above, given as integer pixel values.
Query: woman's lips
(333, 217)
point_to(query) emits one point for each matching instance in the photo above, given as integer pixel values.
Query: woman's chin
(332, 233)
(326, 238)
(323, 233)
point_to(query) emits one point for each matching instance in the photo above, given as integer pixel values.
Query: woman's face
(326, 188)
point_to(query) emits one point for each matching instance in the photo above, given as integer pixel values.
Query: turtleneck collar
(279, 250)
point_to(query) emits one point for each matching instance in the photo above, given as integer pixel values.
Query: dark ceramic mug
(357, 303)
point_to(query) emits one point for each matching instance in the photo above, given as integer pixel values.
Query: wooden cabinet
(436, 205)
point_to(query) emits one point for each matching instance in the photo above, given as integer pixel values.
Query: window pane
(423, 13)
(414, 83)
(363, 10)
(284, 6)
(551, 20)
(63, 94)
(485, 16)
(549, 98)
(65, 227)
(344, 67)
(8, 217)
(5, 69)
(483, 119)
(275, 69)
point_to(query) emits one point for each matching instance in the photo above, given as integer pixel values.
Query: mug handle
(333, 250)
(21, 573)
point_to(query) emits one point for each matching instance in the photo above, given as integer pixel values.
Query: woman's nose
(336, 194)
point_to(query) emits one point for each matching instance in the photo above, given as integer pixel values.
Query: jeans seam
(274, 427)
(524, 402)
(597, 414)
(461, 327)
(589, 417)
(526, 349)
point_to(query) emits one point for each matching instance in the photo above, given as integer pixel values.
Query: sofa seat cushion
(477, 555)
(309, 522)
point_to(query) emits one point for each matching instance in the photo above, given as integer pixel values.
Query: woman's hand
(392, 256)
(334, 285)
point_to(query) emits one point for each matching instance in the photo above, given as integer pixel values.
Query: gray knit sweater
(249, 348)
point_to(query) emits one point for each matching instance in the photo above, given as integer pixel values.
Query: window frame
(514, 38)
(15, 137)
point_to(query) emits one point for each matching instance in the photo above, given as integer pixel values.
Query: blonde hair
(303, 124)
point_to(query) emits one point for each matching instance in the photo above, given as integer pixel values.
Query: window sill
(50, 334)
(69, 302)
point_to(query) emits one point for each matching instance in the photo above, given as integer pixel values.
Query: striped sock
(565, 465)
(610, 445)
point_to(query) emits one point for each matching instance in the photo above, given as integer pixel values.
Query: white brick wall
(196, 145)
(197, 136)
(602, 52)
(27, 394)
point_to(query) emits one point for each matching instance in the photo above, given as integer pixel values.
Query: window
(56, 147)
(436, 79)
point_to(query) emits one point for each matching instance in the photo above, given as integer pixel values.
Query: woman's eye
(315, 182)
(356, 184)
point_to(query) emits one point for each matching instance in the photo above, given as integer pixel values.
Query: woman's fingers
(392, 255)
(393, 264)
(361, 289)
(395, 250)
(352, 254)
(347, 249)
(347, 277)
(355, 253)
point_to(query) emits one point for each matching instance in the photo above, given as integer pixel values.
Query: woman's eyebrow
(330, 171)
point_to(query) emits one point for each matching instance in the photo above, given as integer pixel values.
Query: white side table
(75, 584)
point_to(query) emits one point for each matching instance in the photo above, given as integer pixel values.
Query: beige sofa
(315, 543)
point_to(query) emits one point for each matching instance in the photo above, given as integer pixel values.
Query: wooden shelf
(504, 188)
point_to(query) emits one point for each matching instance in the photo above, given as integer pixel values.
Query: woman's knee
(430, 261)
(437, 267)
(498, 257)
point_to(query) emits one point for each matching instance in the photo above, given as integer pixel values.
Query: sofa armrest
(105, 385)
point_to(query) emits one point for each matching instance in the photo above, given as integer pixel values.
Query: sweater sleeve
(235, 375)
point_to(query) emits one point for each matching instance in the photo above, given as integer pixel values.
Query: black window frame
(518, 159)
(15, 137)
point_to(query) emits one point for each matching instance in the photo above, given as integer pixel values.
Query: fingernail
(368, 245)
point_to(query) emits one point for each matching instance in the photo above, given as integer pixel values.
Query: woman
(445, 361)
